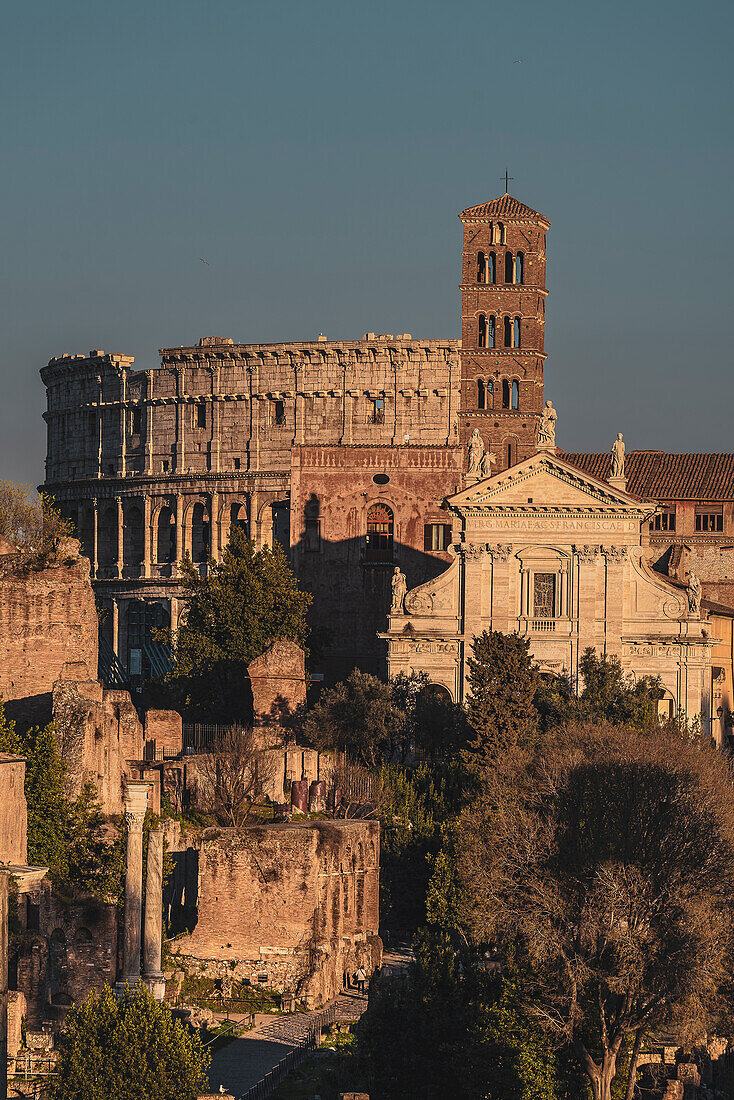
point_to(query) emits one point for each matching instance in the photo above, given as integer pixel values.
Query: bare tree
(28, 519)
(606, 858)
(236, 773)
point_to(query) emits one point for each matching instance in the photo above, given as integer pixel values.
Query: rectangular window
(436, 536)
(277, 412)
(201, 416)
(236, 463)
(544, 595)
(136, 422)
(377, 412)
(664, 522)
(709, 519)
(165, 465)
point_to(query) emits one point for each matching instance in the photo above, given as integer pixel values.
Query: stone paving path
(245, 1061)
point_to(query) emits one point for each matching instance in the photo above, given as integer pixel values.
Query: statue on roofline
(476, 451)
(618, 450)
(399, 586)
(547, 426)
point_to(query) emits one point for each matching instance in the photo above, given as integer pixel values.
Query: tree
(358, 716)
(29, 520)
(610, 695)
(502, 686)
(236, 772)
(245, 602)
(128, 1049)
(605, 860)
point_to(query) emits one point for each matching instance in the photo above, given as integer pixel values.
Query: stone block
(16, 1012)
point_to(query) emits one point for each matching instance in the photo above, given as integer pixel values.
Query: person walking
(360, 978)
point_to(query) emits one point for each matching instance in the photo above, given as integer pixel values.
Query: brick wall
(13, 812)
(47, 618)
(292, 906)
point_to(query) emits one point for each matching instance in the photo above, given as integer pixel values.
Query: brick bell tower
(502, 327)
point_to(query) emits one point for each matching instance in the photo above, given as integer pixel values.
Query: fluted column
(152, 973)
(135, 804)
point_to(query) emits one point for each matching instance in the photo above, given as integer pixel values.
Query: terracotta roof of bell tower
(505, 206)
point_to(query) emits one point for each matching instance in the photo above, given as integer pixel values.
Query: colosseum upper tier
(152, 464)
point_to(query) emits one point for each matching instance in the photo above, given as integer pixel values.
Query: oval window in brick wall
(380, 479)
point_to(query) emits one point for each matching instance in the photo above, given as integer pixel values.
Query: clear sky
(316, 154)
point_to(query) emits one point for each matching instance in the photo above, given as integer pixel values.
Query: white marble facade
(557, 556)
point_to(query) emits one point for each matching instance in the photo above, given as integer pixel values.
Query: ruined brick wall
(47, 617)
(74, 954)
(165, 728)
(292, 906)
(13, 810)
(99, 731)
(278, 681)
(333, 490)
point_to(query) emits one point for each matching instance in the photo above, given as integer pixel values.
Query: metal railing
(293, 1058)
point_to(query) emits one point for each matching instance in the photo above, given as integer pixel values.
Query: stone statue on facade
(486, 464)
(399, 586)
(547, 426)
(476, 451)
(618, 450)
(694, 593)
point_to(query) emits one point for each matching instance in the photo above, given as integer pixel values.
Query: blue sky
(317, 154)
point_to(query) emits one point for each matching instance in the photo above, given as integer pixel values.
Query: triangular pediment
(545, 482)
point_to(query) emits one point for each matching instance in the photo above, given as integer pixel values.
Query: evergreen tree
(245, 602)
(502, 686)
(128, 1049)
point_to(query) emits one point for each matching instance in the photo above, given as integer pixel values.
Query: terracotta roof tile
(658, 475)
(505, 206)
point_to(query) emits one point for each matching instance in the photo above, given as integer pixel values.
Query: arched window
(481, 267)
(515, 395)
(379, 541)
(166, 537)
(490, 231)
(516, 333)
(238, 517)
(519, 266)
(199, 532)
(509, 267)
(481, 331)
(490, 394)
(491, 329)
(500, 239)
(505, 394)
(511, 453)
(492, 268)
(508, 332)
(132, 539)
(481, 398)
(107, 548)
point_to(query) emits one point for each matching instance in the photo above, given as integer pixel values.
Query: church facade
(349, 454)
(559, 557)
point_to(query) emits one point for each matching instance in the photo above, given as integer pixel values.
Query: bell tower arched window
(481, 267)
(516, 333)
(481, 331)
(379, 540)
(505, 394)
(508, 332)
(509, 267)
(519, 267)
(481, 395)
(500, 238)
(492, 268)
(515, 395)
(491, 330)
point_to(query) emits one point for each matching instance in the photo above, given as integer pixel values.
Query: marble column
(4, 879)
(135, 805)
(153, 929)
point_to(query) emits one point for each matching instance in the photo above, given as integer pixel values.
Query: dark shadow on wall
(181, 893)
(352, 595)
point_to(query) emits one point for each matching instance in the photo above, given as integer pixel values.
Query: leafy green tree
(30, 520)
(609, 695)
(128, 1049)
(245, 602)
(358, 716)
(502, 685)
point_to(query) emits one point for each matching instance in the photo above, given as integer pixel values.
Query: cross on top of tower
(507, 179)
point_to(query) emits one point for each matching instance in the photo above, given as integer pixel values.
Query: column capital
(135, 802)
